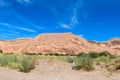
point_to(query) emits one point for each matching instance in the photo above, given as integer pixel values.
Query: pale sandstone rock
(60, 43)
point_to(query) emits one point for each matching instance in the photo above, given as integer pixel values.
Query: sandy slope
(56, 70)
(61, 43)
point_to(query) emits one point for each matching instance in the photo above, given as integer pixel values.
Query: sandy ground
(57, 70)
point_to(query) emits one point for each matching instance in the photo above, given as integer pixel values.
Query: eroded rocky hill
(61, 43)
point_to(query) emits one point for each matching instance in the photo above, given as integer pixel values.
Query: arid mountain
(61, 43)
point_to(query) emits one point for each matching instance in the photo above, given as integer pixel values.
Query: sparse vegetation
(104, 53)
(81, 54)
(1, 51)
(70, 60)
(22, 62)
(3, 60)
(113, 66)
(53, 57)
(93, 55)
(84, 62)
(25, 62)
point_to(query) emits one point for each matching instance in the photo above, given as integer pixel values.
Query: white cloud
(21, 28)
(26, 29)
(73, 19)
(38, 26)
(65, 26)
(81, 35)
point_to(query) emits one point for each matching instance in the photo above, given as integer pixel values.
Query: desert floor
(57, 70)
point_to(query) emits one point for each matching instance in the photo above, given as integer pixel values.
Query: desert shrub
(29, 53)
(57, 54)
(113, 57)
(18, 61)
(11, 53)
(27, 64)
(1, 51)
(67, 54)
(93, 55)
(14, 65)
(51, 54)
(83, 62)
(105, 53)
(45, 54)
(69, 60)
(63, 54)
(7, 59)
(3, 60)
(113, 66)
(33, 61)
(81, 54)
(14, 58)
(103, 59)
(39, 53)
(14, 61)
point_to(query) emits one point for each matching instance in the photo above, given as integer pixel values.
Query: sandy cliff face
(60, 43)
(55, 43)
(5, 47)
(115, 45)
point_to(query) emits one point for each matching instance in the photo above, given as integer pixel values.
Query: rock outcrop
(60, 43)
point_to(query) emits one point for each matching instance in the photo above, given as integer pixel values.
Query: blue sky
(93, 19)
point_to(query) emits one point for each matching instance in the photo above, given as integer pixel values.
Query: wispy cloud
(10, 34)
(3, 3)
(26, 29)
(25, 2)
(81, 35)
(20, 28)
(26, 20)
(9, 31)
(73, 19)
(65, 26)
(37, 26)
(6, 35)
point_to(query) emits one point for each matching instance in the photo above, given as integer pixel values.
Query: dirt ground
(57, 70)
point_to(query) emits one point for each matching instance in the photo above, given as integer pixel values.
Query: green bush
(103, 59)
(14, 58)
(3, 61)
(105, 53)
(113, 57)
(15, 61)
(7, 59)
(51, 54)
(1, 51)
(14, 65)
(27, 64)
(93, 55)
(81, 54)
(69, 60)
(83, 62)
